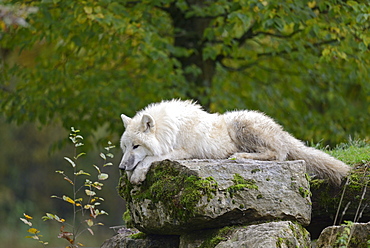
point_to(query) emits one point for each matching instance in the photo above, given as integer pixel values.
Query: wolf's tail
(320, 163)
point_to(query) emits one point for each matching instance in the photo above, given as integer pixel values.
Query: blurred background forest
(71, 63)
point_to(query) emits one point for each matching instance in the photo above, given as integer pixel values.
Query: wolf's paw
(137, 178)
(237, 156)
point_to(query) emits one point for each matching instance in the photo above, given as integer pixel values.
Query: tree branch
(269, 54)
(278, 35)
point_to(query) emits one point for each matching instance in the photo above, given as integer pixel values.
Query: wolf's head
(137, 140)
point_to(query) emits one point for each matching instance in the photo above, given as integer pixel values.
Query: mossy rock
(182, 196)
(272, 235)
(330, 203)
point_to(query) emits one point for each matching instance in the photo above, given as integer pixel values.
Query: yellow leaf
(312, 4)
(33, 230)
(68, 199)
(27, 216)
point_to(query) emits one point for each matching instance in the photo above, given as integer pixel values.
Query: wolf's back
(319, 162)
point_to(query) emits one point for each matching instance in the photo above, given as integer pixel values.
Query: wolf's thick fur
(182, 130)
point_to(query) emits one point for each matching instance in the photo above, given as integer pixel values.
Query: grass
(352, 153)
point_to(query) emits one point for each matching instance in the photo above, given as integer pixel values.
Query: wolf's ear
(126, 120)
(147, 123)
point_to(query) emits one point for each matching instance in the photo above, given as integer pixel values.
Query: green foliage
(84, 200)
(344, 237)
(353, 152)
(306, 63)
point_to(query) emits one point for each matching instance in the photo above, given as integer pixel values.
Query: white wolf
(182, 130)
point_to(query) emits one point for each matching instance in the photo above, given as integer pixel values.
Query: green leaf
(103, 176)
(90, 222)
(90, 192)
(81, 172)
(107, 164)
(102, 155)
(70, 161)
(26, 221)
(80, 154)
(97, 168)
(110, 155)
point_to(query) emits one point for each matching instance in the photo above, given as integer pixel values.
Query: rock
(273, 234)
(352, 235)
(182, 196)
(327, 198)
(135, 239)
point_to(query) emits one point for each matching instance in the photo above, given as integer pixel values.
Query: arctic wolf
(182, 130)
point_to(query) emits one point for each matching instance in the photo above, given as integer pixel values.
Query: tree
(305, 63)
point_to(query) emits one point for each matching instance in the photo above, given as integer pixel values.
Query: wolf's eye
(135, 146)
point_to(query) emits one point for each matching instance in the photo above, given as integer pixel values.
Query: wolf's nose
(122, 166)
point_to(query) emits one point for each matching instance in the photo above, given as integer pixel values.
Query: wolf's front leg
(139, 173)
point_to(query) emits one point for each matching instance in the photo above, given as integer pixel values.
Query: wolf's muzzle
(128, 165)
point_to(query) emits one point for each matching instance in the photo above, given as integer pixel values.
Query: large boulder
(272, 234)
(352, 235)
(280, 234)
(182, 196)
(131, 238)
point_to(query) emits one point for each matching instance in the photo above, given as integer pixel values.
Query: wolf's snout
(128, 165)
(122, 166)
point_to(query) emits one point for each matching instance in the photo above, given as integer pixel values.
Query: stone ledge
(186, 195)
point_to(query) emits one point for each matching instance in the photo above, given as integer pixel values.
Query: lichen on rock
(182, 196)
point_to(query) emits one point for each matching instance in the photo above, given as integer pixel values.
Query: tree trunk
(189, 35)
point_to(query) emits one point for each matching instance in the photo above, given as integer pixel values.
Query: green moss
(125, 187)
(259, 196)
(304, 192)
(279, 242)
(219, 236)
(173, 185)
(316, 183)
(139, 235)
(328, 197)
(127, 219)
(255, 170)
(241, 184)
